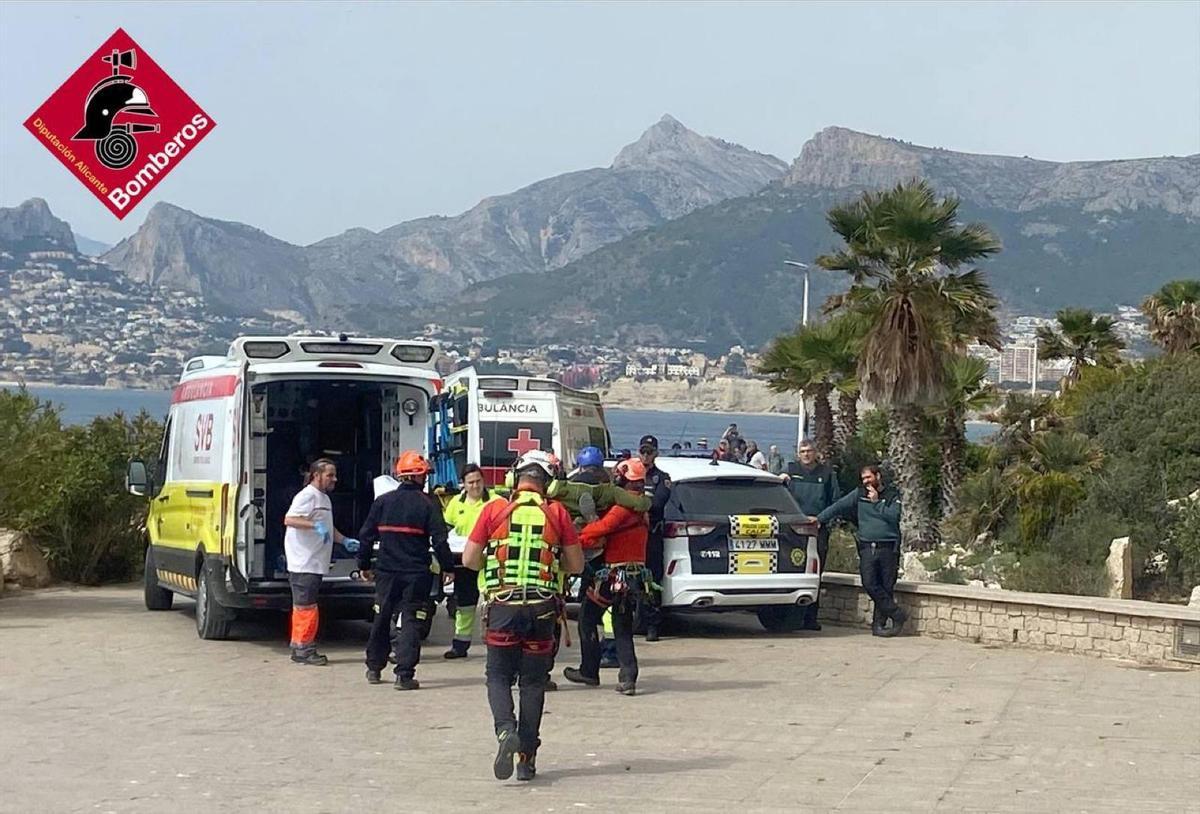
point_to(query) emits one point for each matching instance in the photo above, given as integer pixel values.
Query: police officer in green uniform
(815, 487)
(875, 509)
(523, 546)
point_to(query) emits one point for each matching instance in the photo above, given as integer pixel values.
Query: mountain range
(681, 239)
(1093, 234)
(667, 173)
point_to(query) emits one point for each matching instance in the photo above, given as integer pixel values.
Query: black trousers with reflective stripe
(409, 592)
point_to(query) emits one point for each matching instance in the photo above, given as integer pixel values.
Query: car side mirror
(137, 479)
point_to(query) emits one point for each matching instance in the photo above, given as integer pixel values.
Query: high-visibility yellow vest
(523, 558)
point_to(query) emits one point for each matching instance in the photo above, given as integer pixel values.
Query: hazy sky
(332, 116)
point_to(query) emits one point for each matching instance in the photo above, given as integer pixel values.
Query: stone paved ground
(107, 707)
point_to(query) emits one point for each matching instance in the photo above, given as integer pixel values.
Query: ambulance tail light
(497, 394)
(814, 565)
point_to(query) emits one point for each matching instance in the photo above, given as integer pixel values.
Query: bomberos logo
(120, 124)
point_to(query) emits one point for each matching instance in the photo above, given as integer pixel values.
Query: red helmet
(411, 462)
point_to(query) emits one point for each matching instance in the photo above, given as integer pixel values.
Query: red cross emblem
(524, 442)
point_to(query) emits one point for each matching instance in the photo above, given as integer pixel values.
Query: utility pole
(803, 411)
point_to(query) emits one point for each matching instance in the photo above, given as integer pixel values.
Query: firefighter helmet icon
(116, 147)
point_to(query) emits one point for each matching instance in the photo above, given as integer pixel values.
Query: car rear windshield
(732, 496)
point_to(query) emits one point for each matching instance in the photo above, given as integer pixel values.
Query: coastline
(27, 383)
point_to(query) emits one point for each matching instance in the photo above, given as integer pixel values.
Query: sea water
(81, 404)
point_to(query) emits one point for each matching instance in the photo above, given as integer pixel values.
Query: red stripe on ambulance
(200, 389)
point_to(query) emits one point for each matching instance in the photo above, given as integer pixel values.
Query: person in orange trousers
(308, 544)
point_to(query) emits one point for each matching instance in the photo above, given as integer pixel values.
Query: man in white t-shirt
(308, 544)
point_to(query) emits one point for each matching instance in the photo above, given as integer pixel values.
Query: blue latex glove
(320, 528)
(351, 545)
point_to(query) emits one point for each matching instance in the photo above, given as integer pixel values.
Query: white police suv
(735, 539)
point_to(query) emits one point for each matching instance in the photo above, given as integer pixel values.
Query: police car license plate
(753, 562)
(752, 544)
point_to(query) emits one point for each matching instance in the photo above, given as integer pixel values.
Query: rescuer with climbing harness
(523, 546)
(620, 581)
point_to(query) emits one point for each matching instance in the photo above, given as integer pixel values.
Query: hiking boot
(898, 620)
(458, 650)
(627, 688)
(309, 657)
(811, 624)
(526, 766)
(576, 676)
(502, 767)
(407, 683)
(551, 685)
(374, 676)
(652, 633)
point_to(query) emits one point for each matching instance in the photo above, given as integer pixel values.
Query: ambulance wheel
(780, 618)
(212, 620)
(157, 598)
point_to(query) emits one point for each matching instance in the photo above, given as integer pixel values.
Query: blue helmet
(590, 456)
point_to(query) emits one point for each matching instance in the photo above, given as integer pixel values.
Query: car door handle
(164, 498)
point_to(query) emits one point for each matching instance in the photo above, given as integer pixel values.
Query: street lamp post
(803, 414)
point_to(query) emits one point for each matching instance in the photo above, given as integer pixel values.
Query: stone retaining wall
(1146, 632)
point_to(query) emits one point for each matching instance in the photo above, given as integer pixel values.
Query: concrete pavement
(107, 707)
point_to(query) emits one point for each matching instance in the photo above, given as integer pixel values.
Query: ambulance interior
(360, 425)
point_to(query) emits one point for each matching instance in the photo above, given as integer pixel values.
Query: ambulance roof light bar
(311, 348)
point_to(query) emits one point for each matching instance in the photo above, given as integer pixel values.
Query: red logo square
(120, 124)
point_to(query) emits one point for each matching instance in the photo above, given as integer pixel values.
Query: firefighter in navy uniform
(406, 523)
(523, 546)
(815, 486)
(657, 487)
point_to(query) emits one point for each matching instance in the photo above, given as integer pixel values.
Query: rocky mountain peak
(32, 224)
(712, 169)
(838, 158)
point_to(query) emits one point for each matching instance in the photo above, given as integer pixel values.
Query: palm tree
(816, 359)
(1082, 337)
(966, 390)
(1050, 484)
(1020, 417)
(1174, 314)
(903, 248)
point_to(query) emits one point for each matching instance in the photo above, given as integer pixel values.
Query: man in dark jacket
(815, 487)
(406, 523)
(657, 487)
(875, 510)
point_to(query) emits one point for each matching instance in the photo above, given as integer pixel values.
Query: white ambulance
(241, 432)
(491, 420)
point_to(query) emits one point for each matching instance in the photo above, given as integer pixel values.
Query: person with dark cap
(656, 486)
(814, 484)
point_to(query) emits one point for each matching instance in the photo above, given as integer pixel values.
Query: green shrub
(1182, 545)
(68, 491)
(843, 552)
(1049, 572)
